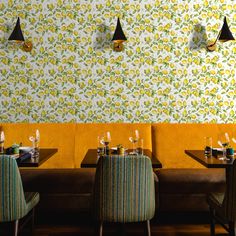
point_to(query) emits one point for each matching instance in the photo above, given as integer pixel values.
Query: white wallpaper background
(164, 74)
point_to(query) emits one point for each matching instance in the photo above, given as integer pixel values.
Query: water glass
(105, 141)
(100, 146)
(208, 146)
(224, 142)
(134, 140)
(140, 146)
(35, 143)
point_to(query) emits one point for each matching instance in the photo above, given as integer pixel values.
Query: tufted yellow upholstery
(168, 141)
(55, 135)
(73, 140)
(86, 136)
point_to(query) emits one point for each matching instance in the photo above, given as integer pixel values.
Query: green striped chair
(14, 203)
(124, 190)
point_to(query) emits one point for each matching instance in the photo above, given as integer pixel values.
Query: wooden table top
(44, 155)
(209, 162)
(90, 160)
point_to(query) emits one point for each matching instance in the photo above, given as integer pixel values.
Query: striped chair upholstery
(124, 189)
(14, 203)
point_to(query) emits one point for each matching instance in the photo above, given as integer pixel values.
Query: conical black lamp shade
(225, 33)
(17, 33)
(119, 34)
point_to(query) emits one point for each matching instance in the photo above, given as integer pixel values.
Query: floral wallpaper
(164, 74)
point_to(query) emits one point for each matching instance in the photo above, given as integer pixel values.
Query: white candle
(2, 138)
(108, 135)
(227, 137)
(136, 133)
(37, 135)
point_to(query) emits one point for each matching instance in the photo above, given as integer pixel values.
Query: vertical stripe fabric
(13, 205)
(124, 189)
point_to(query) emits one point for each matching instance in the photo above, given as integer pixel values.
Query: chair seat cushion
(32, 199)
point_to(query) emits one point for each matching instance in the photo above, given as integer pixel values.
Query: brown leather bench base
(71, 189)
(186, 189)
(61, 189)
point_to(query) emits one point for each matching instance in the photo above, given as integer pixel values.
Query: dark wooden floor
(162, 225)
(160, 230)
(169, 224)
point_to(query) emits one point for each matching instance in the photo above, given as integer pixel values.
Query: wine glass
(35, 142)
(224, 143)
(105, 140)
(134, 139)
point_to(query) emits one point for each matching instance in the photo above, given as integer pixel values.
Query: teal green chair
(124, 190)
(14, 203)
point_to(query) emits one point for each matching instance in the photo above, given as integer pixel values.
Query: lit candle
(108, 135)
(2, 137)
(37, 135)
(227, 137)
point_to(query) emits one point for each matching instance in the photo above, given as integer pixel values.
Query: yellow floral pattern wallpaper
(164, 74)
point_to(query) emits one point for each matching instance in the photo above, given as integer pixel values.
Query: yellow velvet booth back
(167, 141)
(170, 140)
(86, 136)
(52, 135)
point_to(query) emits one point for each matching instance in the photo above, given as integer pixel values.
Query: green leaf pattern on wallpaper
(72, 74)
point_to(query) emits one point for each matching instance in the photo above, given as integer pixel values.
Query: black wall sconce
(18, 37)
(223, 36)
(118, 37)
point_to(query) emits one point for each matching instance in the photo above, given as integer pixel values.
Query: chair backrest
(12, 199)
(229, 202)
(124, 189)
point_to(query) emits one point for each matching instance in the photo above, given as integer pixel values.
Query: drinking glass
(208, 146)
(106, 139)
(134, 139)
(140, 146)
(35, 143)
(100, 146)
(224, 143)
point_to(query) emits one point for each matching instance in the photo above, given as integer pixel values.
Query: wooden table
(90, 160)
(209, 162)
(214, 162)
(43, 155)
